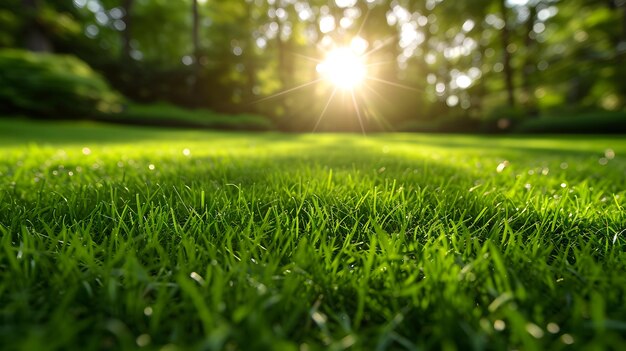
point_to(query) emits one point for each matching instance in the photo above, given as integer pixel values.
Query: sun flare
(344, 68)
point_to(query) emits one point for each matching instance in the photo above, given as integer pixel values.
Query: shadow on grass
(539, 145)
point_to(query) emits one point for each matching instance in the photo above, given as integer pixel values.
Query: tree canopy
(427, 61)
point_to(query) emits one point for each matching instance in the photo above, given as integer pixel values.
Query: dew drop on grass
(347, 341)
(143, 340)
(195, 276)
(545, 171)
(502, 166)
(609, 154)
(319, 318)
(86, 151)
(563, 185)
(553, 328)
(564, 165)
(186, 152)
(527, 186)
(567, 339)
(534, 330)
(603, 161)
(499, 325)
(147, 311)
(261, 289)
(151, 167)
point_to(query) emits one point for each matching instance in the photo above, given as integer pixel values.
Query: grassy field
(117, 237)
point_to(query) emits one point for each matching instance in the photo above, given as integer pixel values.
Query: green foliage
(595, 122)
(162, 30)
(503, 118)
(9, 26)
(118, 238)
(167, 114)
(52, 86)
(450, 123)
(562, 53)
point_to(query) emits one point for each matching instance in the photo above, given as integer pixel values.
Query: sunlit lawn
(115, 237)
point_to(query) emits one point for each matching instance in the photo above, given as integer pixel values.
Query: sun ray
(319, 119)
(380, 119)
(367, 15)
(345, 68)
(368, 87)
(309, 58)
(386, 42)
(358, 112)
(373, 64)
(289, 90)
(394, 84)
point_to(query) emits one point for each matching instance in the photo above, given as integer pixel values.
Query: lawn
(120, 237)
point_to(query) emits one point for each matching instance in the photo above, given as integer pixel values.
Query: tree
(127, 7)
(35, 39)
(505, 36)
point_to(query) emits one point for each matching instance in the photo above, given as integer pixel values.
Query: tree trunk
(126, 33)
(251, 59)
(282, 58)
(195, 34)
(34, 37)
(505, 36)
(529, 63)
(285, 68)
(621, 48)
(195, 39)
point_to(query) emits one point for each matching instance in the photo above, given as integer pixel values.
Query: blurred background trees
(441, 65)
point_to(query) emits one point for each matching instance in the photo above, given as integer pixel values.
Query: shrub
(503, 119)
(49, 85)
(587, 123)
(450, 123)
(164, 114)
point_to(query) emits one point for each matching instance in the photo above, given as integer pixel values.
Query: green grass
(113, 238)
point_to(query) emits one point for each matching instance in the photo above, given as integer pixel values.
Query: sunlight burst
(344, 68)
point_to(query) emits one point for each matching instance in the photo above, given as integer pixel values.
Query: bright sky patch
(344, 68)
